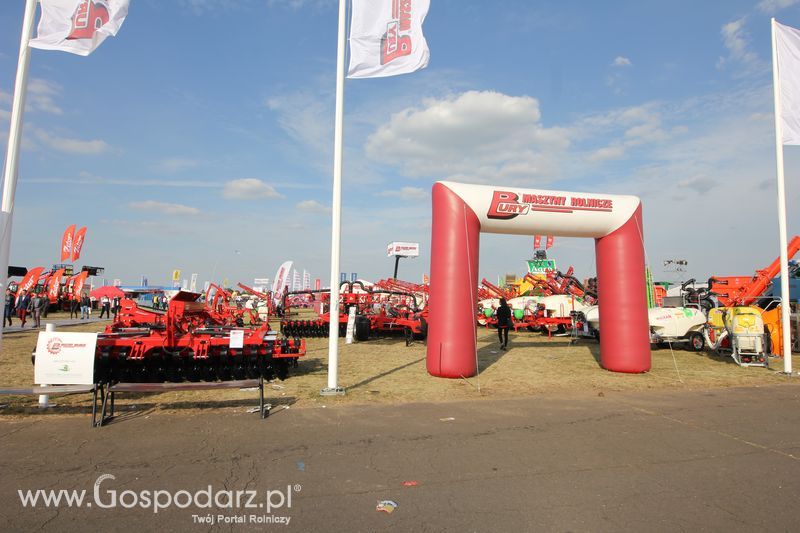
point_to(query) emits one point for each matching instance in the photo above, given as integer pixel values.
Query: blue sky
(205, 127)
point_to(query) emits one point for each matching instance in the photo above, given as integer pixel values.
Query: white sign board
(403, 249)
(351, 322)
(65, 358)
(237, 338)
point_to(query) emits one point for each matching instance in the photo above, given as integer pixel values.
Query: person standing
(115, 305)
(503, 322)
(105, 306)
(74, 306)
(22, 303)
(86, 304)
(9, 308)
(35, 307)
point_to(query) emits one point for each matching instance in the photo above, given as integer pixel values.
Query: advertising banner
(65, 358)
(403, 249)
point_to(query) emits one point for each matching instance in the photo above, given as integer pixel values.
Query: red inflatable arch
(461, 212)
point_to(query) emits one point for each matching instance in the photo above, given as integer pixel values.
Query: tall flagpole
(336, 211)
(785, 296)
(11, 168)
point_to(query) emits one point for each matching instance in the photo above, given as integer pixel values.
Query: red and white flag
(550, 240)
(78, 26)
(281, 280)
(537, 242)
(386, 38)
(80, 237)
(66, 243)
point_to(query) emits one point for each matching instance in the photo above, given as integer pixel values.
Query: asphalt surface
(716, 460)
(16, 325)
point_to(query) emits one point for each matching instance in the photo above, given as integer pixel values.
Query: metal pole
(14, 140)
(396, 264)
(44, 399)
(782, 233)
(336, 211)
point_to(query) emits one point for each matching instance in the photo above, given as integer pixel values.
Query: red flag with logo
(80, 236)
(66, 243)
(550, 240)
(30, 279)
(78, 26)
(537, 242)
(77, 286)
(54, 285)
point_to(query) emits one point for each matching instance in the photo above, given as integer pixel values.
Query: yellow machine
(742, 331)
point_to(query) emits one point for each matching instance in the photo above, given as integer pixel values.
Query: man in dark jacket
(9, 308)
(503, 322)
(22, 303)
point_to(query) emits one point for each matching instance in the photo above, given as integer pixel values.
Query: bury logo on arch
(505, 206)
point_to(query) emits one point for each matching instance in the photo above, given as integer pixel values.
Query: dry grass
(385, 370)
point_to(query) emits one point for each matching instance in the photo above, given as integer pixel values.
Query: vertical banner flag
(66, 243)
(296, 284)
(77, 246)
(550, 240)
(317, 284)
(55, 285)
(30, 280)
(78, 284)
(386, 38)
(537, 242)
(281, 280)
(306, 280)
(787, 41)
(78, 26)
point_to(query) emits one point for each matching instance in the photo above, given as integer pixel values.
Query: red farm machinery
(387, 307)
(193, 340)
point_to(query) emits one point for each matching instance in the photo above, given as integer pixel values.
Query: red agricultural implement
(378, 311)
(191, 340)
(745, 290)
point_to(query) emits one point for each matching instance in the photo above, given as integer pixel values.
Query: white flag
(386, 38)
(78, 26)
(787, 44)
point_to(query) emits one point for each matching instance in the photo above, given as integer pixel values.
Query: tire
(362, 327)
(696, 341)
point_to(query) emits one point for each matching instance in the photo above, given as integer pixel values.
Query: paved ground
(720, 460)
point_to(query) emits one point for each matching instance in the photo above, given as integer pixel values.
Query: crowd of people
(24, 305)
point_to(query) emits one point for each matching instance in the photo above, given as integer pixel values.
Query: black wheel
(696, 341)
(362, 327)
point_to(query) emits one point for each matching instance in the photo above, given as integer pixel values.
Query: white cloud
(407, 193)
(313, 206)
(773, 6)
(164, 208)
(736, 40)
(621, 61)
(175, 164)
(71, 146)
(474, 136)
(41, 96)
(249, 189)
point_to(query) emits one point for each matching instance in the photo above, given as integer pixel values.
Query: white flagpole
(336, 211)
(785, 316)
(14, 140)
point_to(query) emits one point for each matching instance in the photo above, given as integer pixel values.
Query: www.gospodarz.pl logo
(155, 500)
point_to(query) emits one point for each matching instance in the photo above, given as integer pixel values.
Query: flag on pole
(787, 42)
(66, 243)
(78, 26)
(80, 236)
(386, 38)
(537, 242)
(549, 244)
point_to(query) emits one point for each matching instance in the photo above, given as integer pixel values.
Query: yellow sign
(176, 275)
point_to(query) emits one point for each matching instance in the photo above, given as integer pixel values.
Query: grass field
(386, 370)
